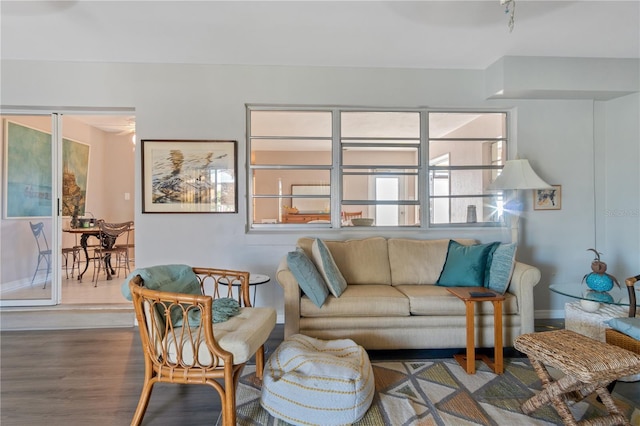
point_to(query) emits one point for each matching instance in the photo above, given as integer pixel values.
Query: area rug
(440, 392)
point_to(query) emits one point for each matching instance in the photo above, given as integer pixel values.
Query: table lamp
(515, 175)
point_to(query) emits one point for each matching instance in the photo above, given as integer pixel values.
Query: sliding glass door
(29, 243)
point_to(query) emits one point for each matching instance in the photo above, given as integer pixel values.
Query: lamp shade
(518, 174)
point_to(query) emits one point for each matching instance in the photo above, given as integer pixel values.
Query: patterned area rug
(440, 392)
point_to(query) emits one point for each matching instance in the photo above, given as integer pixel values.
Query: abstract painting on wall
(28, 173)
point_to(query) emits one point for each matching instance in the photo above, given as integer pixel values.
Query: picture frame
(189, 176)
(548, 199)
(28, 188)
(75, 177)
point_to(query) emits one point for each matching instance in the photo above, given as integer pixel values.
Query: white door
(29, 243)
(387, 189)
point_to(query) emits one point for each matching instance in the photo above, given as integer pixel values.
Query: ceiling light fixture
(509, 9)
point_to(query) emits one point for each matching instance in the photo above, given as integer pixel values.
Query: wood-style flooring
(94, 377)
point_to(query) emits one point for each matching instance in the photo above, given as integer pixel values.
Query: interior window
(339, 167)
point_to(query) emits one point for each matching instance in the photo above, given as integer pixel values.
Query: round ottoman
(311, 381)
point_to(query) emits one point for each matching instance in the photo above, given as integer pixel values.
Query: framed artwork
(189, 176)
(548, 199)
(27, 179)
(75, 173)
(28, 189)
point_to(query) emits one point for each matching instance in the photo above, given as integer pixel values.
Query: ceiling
(391, 34)
(414, 34)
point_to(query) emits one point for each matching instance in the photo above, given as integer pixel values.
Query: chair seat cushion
(241, 335)
(312, 381)
(628, 326)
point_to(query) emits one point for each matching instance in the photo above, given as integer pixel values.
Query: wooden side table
(468, 361)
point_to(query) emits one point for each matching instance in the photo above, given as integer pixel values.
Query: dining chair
(128, 242)
(201, 353)
(74, 254)
(107, 253)
(351, 215)
(44, 252)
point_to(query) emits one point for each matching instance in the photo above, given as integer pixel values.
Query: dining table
(104, 241)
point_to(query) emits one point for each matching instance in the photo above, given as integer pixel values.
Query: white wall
(208, 102)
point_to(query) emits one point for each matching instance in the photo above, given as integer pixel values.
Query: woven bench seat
(589, 366)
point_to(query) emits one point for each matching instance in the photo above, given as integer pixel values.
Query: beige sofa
(391, 301)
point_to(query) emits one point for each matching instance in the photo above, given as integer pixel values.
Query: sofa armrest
(524, 278)
(288, 282)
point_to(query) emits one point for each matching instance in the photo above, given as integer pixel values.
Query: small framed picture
(548, 199)
(189, 176)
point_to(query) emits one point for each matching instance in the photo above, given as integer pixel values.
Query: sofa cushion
(501, 268)
(363, 261)
(308, 277)
(360, 301)
(465, 266)
(436, 300)
(327, 267)
(418, 261)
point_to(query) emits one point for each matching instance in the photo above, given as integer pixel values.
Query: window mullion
(336, 168)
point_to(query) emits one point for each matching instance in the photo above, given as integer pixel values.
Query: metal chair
(74, 253)
(108, 254)
(202, 353)
(44, 252)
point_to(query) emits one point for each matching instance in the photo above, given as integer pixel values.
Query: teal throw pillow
(328, 268)
(501, 267)
(465, 266)
(626, 325)
(308, 277)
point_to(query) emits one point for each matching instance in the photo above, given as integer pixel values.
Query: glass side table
(588, 315)
(615, 296)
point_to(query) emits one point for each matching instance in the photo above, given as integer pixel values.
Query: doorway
(102, 187)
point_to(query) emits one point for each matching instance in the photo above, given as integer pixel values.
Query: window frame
(335, 169)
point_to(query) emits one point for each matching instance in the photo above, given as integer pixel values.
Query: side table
(468, 362)
(254, 281)
(590, 324)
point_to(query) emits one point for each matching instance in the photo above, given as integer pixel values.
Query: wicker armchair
(203, 352)
(614, 337)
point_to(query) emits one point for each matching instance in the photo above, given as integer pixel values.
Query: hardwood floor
(94, 377)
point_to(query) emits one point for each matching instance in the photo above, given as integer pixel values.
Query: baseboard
(67, 317)
(549, 314)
